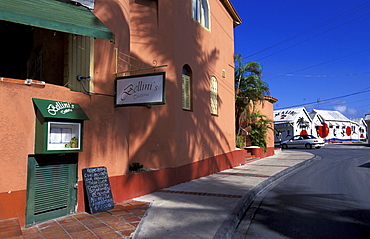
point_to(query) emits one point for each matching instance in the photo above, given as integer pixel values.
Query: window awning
(54, 15)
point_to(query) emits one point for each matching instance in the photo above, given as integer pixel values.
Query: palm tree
(249, 88)
(259, 126)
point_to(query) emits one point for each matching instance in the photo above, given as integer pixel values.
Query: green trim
(54, 15)
(30, 201)
(60, 110)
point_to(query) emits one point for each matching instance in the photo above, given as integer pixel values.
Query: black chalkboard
(97, 189)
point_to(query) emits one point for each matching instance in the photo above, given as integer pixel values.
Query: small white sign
(140, 90)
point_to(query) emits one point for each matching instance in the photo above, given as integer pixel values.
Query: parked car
(307, 141)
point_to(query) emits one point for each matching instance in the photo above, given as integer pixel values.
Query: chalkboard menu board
(97, 189)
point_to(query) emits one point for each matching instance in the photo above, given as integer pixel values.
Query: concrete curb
(228, 227)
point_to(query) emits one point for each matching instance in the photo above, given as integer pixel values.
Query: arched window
(201, 12)
(214, 95)
(186, 88)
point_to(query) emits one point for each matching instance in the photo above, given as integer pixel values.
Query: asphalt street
(330, 198)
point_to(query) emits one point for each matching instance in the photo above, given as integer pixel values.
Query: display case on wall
(59, 127)
(64, 136)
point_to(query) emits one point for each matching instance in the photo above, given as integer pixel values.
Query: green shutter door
(50, 191)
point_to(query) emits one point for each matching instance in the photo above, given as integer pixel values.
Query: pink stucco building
(66, 74)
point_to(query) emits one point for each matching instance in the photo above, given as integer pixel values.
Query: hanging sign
(140, 89)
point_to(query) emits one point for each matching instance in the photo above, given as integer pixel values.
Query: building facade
(108, 83)
(359, 128)
(367, 120)
(327, 124)
(336, 127)
(290, 122)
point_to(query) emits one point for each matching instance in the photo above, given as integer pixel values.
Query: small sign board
(97, 189)
(146, 89)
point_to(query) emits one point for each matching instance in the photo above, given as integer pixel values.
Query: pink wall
(175, 39)
(267, 108)
(183, 144)
(142, 183)
(17, 122)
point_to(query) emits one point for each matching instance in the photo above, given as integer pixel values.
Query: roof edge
(271, 99)
(231, 10)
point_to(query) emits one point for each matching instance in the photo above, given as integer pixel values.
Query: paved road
(329, 198)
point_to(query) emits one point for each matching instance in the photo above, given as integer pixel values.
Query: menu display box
(63, 136)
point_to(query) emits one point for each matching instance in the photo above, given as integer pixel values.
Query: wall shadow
(163, 136)
(153, 28)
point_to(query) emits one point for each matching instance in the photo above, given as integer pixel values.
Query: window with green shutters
(186, 88)
(186, 94)
(43, 55)
(49, 42)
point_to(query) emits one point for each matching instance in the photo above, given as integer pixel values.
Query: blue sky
(314, 53)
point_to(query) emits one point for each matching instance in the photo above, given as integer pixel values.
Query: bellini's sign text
(140, 90)
(62, 107)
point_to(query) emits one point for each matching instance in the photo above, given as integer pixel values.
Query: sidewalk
(209, 207)
(118, 222)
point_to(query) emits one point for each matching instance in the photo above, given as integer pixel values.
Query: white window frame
(201, 12)
(214, 96)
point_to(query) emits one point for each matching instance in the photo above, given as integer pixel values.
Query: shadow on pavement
(289, 213)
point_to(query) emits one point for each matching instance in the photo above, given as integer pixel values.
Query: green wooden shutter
(80, 61)
(186, 93)
(50, 186)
